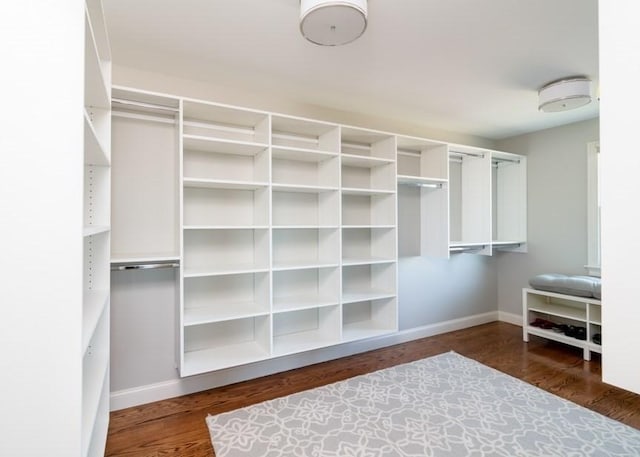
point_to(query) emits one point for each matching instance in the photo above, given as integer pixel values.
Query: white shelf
(117, 258)
(353, 160)
(276, 187)
(303, 227)
(362, 191)
(300, 302)
(365, 295)
(362, 330)
(302, 265)
(94, 151)
(94, 304)
(95, 230)
(366, 261)
(593, 347)
(559, 337)
(225, 227)
(577, 314)
(220, 357)
(224, 270)
(369, 226)
(223, 184)
(208, 144)
(421, 181)
(301, 154)
(231, 311)
(301, 342)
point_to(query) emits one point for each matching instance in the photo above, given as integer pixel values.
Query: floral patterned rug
(447, 405)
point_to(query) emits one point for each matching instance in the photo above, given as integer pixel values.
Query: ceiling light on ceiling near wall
(564, 94)
(332, 23)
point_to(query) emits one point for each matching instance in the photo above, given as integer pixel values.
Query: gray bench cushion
(579, 286)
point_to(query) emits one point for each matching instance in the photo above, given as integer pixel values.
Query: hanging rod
(500, 159)
(144, 266)
(150, 106)
(471, 154)
(461, 249)
(500, 245)
(421, 184)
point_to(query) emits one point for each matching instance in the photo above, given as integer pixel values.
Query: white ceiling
(469, 66)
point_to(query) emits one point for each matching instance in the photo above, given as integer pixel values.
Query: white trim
(511, 318)
(593, 209)
(176, 387)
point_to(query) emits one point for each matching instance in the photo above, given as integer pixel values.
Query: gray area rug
(447, 405)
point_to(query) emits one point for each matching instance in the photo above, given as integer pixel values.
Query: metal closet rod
(500, 159)
(420, 184)
(471, 154)
(466, 248)
(144, 266)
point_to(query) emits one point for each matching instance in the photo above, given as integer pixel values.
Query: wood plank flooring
(176, 427)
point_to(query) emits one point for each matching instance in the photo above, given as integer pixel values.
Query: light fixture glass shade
(332, 23)
(564, 95)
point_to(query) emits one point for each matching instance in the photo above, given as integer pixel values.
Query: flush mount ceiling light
(332, 23)
(564, 94)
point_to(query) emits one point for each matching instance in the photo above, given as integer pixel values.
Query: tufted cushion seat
(579, 286)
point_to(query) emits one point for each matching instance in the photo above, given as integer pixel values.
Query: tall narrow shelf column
(369, 235)
(305, 234)
(225, 240)
(509, 202)
(470, 199)
(424, 164)
(96, 242)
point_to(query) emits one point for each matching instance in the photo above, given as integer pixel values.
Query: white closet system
(285, 228)
(96, 236)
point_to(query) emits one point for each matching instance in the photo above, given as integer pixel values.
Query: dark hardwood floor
(176, 427)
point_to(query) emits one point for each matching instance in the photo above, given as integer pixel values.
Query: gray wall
(436, 290)
(557, 208)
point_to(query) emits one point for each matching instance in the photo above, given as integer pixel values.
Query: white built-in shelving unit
(562, 309)
(96, 233)
(471, 199)
(285, 229)
(509, 202)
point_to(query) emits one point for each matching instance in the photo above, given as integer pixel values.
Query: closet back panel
(144, 193)
(226, 207)
(236, 167)
(226, 249)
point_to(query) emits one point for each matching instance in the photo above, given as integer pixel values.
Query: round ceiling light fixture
(332, 23)
(564, 94)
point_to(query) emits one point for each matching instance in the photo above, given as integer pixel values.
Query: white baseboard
(182, 386)
(511, 318)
